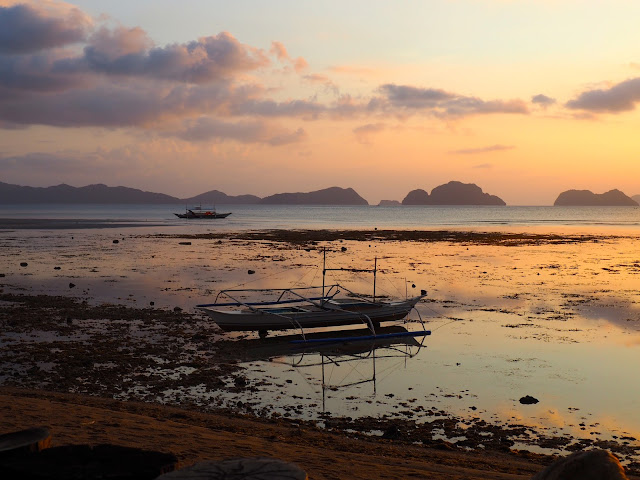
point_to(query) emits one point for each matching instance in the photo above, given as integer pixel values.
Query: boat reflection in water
(336, 365)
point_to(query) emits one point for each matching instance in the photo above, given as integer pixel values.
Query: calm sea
(400, 217)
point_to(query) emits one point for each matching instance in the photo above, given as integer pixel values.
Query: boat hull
(284, 319)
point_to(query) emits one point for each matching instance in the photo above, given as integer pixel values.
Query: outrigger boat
(297, 308)
(199, 212)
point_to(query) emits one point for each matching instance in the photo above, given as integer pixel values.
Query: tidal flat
(553, 316)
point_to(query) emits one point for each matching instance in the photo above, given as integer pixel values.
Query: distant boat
(199, 212)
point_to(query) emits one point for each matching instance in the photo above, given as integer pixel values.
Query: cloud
(116, 105)
(491, 148)
(271, 108)
(287, 138)
(213, 129)
(324, 80)
(543, 100)
(365, 132)
(445, 104)
(279, 50)
(127, 52)
(28, 28)
(619, 98)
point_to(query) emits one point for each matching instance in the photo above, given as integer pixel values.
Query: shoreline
(194, 436)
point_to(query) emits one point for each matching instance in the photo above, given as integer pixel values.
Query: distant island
(452, 193)
(389, 203)
(586, 198)
(102, 194)
(327, 196)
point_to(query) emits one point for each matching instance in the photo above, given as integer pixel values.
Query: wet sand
(509, 309)
(194, 436)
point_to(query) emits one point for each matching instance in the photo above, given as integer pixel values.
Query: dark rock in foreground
(528, 400)
(453, 193)
(586, 198)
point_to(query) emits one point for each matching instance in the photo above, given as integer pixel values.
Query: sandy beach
(101, 342)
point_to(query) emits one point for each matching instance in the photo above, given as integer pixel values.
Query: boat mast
(375, 269)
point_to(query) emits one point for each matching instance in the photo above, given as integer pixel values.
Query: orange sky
(525, 99)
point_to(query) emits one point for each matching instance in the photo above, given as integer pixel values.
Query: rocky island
(452, 193)
(326, 196)
(586, 198)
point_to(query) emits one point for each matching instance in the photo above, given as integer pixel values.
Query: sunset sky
(523, 98)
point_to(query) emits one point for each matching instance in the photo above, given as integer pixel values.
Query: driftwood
(253, 468)
(591, 465)
(29, 440)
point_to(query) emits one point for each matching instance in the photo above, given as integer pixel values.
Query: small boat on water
(298, 308)
(200, 212)
(293, 309)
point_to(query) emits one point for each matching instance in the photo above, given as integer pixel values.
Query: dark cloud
(36, 73)
(27, 28)
(126, 52)
(442, 103)
(491, 148)
(543, 100)
(619, 98)
(115, 105)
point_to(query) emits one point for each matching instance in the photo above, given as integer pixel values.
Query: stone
(591, 465)
(528, 400)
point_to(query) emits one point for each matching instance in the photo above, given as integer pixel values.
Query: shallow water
(559, 322)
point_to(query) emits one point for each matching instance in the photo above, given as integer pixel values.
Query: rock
(251, 272)
(116, 241)
(23, 264)
(185, 243)
(343, 249)
(152, 303)
(391, 433)
(56, 268)
(591, 465)
(588, 198)
(452, 193)
(528, 400)
(71, 285)
(2, 275)
(389, 203)
(423, 292)
(177, 309)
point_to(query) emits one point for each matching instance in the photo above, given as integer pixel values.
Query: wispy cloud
(474, 151)
(365, 132)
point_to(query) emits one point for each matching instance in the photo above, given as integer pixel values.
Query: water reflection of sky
(558, 322)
